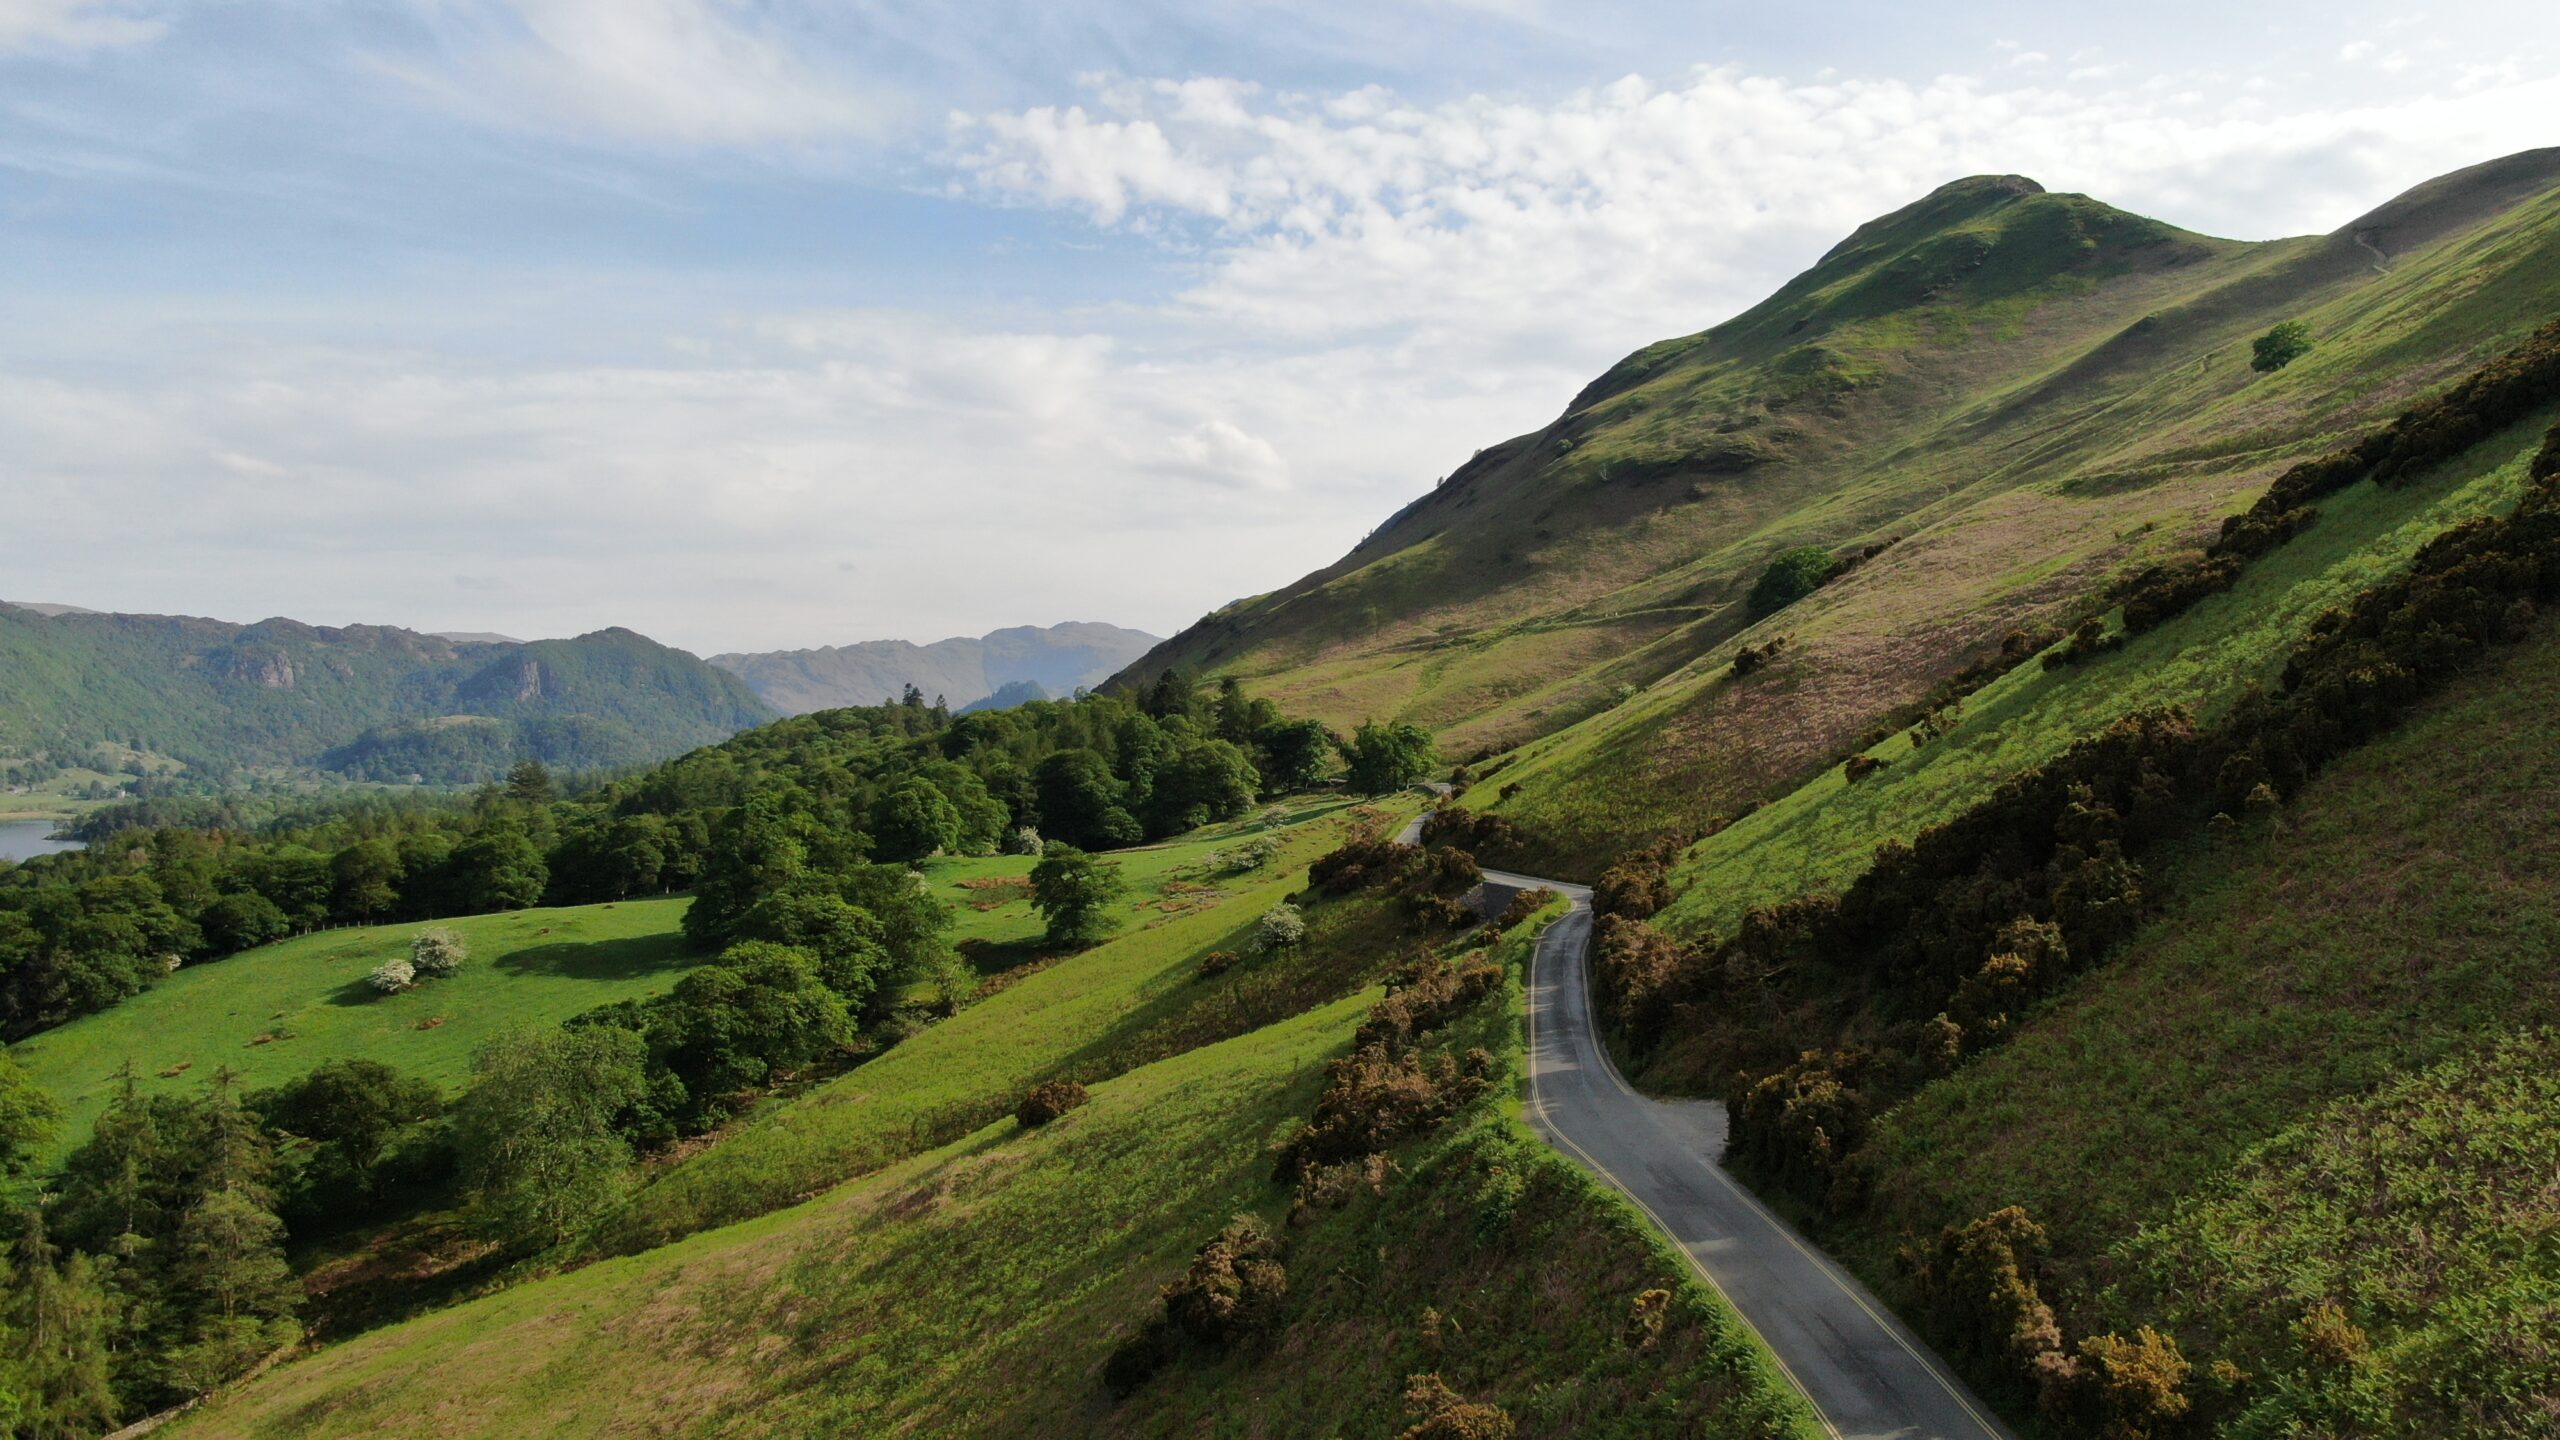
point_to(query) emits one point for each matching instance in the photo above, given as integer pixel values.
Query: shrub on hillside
(1978, 1296)
(1440, 1413)
(393, 976)
(1218, 962)
(2088, 638)
(1637, 885)
(1801, 1125)
(2280, 347)
(1859, 767)
(1425, 995)
(436, 953)
(1464, 829)
(1751, 659)
(1789, 578)
(1044, 1103)
(1282, 928)
(1636, 966)
(1372, 1099)
(1235, 1284)
(1523, 906)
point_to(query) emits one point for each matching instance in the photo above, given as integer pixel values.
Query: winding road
(1866, 1375)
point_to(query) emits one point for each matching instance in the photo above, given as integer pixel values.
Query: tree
(1075, 891)
(756, 850)
(351, 1108)
(1295, 755)
(530, 784)
(437, 953)
(498, 870)
(912, 822)
(1209, 781)
(56, 1323)
(364, 880)
(1789, 578)
(28, 1117)
(848, 943)
(535, 1130)
(2280, 347)
(243, 921)
(1080, 802)
(732, 1026)
(1172, 694)
(1385, 758)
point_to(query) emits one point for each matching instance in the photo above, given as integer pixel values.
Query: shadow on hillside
(625, 959)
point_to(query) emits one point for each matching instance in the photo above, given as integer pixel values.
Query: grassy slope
(975, 1290)
(1131, 1000)
(2077, 401)
(2086, 475)
(527, 968)
(1820, 835)
(2286, 1089)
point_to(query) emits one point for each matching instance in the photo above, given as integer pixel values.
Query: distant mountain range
(369, 701)
(962, 671)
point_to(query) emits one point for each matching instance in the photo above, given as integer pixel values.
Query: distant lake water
(24, 839)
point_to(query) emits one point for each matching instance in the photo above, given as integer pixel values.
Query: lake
(21, 839)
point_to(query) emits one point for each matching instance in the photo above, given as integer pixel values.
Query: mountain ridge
(961, 669)
(2009, 395)
(357, 698)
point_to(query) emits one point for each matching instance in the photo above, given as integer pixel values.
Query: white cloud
(1218, 451)
(674, 72)
(1490, 233)
(2357, 50)
(72, 24)
(1364, 289)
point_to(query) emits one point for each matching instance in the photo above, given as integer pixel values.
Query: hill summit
(1984, 406)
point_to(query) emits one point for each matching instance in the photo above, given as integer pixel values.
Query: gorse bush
(1234, 1287)
(1044, 1103)
(1440, 1413)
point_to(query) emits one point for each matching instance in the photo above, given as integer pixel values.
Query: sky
(759, 324)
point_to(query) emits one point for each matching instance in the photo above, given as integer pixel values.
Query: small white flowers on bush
(1281, 928)
(437, 953)
(393, 975)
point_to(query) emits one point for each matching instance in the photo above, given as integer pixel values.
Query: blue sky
(753, 325)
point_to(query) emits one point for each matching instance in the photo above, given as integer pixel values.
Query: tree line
(888, 784)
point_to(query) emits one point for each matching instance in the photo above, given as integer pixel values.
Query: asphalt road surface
(1868, 1377)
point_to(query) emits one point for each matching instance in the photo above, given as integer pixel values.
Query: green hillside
(367, 701)
(2022, 395)
(978, 1289)
(274, 1013)
(2321, 1075)
(1133, 999)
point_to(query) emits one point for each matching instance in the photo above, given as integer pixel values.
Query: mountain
(1057, 658)
(1008, 695)
(366, 700)
(1988, 405)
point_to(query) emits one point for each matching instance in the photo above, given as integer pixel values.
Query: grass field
(976, 1289)
(272, 1013)
(1134, 999)
(2320, 1074)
